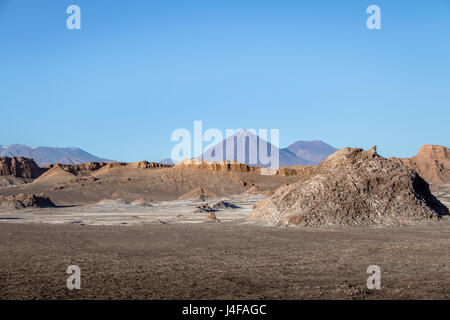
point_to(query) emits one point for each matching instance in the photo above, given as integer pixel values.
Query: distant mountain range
(238, 148)
(48, 155)
(299, 153)
(313, 151)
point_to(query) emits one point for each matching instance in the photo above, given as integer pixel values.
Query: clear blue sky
(137, 70)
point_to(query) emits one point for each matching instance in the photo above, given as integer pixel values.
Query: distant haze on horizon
(137, 71)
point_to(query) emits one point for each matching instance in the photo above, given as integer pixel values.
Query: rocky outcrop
(222, 205)
(198, 193)
(353, 187)
(141, 202)
(203, 208)
(134, 165)
(94, 166)
(216, 166)
(79, 168)
(19, 167)
(233, 166)
(149, 165)
(211, 217)
(296, 171)
(431, 162)
(22, 201)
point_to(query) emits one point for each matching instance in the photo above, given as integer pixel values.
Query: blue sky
(137, 70)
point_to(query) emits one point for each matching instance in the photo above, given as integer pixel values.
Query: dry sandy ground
(442, 192)
(116, 214)
(227, 260)
(125, 253)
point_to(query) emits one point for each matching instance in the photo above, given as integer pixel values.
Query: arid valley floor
(140, 231)
(230, 260)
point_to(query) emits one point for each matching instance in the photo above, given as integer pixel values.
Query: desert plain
(200, 230)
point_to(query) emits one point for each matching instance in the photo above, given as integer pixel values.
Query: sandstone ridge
(19, 167)
(432, 163)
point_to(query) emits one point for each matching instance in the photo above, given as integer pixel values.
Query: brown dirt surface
(223, 261)
(253, 190)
